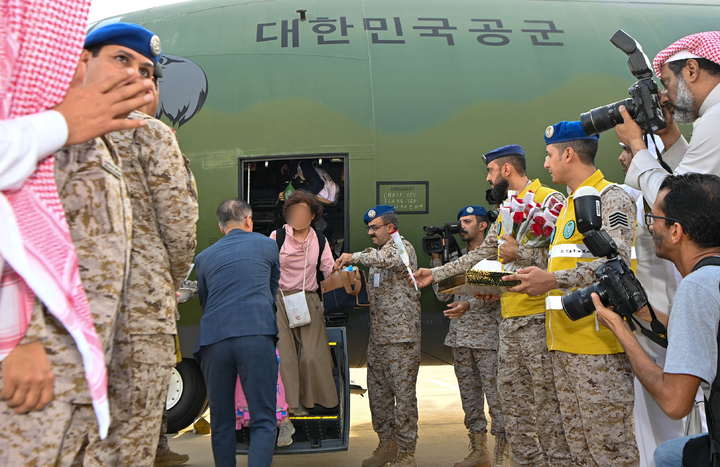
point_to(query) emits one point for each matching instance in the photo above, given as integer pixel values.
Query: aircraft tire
(187, 397)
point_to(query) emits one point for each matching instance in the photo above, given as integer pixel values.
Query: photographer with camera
(533, 423)
(689, 70)
(473, 336)
(660, 278)
(686, 230)
(593, 377)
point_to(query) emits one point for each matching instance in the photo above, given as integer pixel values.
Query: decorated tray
(476, 282)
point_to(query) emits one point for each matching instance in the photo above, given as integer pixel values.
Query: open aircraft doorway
(262, 181)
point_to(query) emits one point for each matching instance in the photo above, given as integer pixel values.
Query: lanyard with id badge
(296, 306)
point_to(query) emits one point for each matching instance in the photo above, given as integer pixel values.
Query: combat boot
(385, 452)
(404, 459)
(479, 455)
(502, 452)
(171, 459)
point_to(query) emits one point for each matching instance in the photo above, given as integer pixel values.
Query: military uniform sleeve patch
(619, 219)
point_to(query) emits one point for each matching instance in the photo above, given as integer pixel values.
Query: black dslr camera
(441, 240)
(617, 285)
(644, 103)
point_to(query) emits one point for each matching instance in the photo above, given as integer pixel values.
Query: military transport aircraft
(396, 100)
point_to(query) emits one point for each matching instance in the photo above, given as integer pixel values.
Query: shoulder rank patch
(619, 219)
(112, 168)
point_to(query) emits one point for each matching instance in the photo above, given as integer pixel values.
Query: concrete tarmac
(442, 435)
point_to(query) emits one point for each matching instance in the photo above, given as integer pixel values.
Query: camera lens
(606, 117)
(578, 303)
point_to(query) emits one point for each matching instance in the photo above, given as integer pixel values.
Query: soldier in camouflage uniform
(142, 331)
(531, 410)
(394, 346)
(473, 336)
(593, 376)
(164, 456)
(164, 204)
(97, 208)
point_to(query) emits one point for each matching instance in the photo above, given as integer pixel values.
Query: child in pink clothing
(243, 413)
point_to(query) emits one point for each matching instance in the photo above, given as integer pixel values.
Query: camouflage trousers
(138, 379)
(163, 447)
(533, 423)
(392, 371)
(596, 399)
(476, 372)
(33, 439)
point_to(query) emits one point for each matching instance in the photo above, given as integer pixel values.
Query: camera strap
(657, 332)
(663, 164)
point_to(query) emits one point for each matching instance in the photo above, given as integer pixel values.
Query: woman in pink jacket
(305, 361)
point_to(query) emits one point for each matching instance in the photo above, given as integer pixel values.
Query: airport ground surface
(442, 436)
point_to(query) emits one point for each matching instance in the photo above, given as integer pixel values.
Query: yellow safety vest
(586, 335)
(520, 304)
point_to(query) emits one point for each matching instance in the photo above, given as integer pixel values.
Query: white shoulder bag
(296, 307)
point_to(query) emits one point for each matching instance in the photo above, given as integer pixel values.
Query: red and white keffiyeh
(700, 45)
(40, 42)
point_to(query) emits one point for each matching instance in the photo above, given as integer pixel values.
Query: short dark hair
(586, 149)
(518, 163)
(708, 65)
(481, 219)
(233, 210)
(95, 49)
(304, 197)
(391, 218)
(694, 201)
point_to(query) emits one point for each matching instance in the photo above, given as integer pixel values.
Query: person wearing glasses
(393, 356)
(660, 279)
(686, 229)
(305, 260)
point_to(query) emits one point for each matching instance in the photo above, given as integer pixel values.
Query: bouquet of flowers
(527, 221)
(540, 225)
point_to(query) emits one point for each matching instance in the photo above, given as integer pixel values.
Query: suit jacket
(237, 281)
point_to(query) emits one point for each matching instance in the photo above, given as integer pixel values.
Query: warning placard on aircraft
(406, 197)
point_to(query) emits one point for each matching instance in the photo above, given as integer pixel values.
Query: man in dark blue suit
(237, 282)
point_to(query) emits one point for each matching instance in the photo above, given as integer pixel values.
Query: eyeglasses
(650, 217)
(374, 228)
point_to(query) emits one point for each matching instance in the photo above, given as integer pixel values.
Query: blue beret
(377, 211)
(472, 211)
(511, 150)
(566, 131)
(128, 35)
